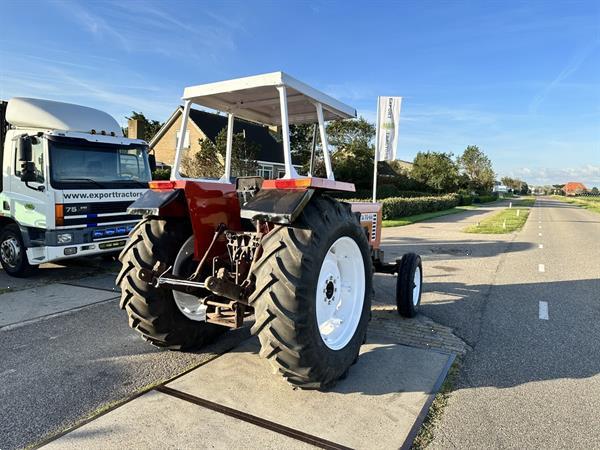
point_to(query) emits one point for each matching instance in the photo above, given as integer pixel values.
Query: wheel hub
(10, 251)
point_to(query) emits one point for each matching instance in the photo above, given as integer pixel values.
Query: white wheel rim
(417, 286)
(340, 293)
(189, 305)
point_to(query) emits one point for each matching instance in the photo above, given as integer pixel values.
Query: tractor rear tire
(152, 311)
(297, 286)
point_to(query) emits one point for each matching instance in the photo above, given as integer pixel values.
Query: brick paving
(421, 331)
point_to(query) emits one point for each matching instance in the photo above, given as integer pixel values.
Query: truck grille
(94, 214)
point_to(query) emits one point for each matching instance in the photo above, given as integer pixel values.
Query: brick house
(574, 188)
(205, 125)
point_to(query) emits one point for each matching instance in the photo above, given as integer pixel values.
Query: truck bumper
(40, 255)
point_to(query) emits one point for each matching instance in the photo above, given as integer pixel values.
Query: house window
(280, 172)
(265, 171)
(186, 141)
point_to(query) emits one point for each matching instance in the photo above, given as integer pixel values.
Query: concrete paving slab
(104, 281)
(28, 304)
(159, 421)
(376, 406)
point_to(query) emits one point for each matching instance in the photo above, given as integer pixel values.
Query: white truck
(68, 176)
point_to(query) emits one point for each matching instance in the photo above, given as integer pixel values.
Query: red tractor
(209, 253)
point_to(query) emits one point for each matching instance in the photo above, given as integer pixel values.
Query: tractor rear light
(292, 183)
(161, 185)
(308, 182)
(59, 214)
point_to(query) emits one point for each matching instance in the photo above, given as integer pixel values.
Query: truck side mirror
(152, 162)
(28, 171)
(24, 151)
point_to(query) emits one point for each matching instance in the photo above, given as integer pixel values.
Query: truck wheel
(313, 294)
(13, 254)
(408, 285)
(152, 311)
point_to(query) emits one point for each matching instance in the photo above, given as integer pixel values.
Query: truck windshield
(89, 165)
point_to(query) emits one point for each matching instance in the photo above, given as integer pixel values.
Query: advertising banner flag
(388, 123)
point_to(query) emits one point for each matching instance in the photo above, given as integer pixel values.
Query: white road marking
(543, 313)
(541, 246)
(541, 268)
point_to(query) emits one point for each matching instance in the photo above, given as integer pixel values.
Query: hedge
(385, 191)
(486, 198)
(395, 208)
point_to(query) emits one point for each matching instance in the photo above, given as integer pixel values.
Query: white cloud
(588, 174)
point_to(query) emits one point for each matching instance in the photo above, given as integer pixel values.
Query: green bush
(465, 199)
(161, 174)
(486, 198)
(395, 208)
(385, 191)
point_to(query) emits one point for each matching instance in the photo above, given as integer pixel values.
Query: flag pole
(376, 154)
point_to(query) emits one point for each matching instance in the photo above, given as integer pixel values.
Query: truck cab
(68, 176)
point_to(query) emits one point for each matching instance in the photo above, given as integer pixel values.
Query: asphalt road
(533, 377)
(57, 371)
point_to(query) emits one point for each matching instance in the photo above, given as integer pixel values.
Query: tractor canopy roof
(256, 98)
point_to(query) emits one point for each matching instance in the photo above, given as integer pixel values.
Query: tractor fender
(160, 203)
(281, 206)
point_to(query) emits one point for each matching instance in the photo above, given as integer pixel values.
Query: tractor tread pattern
(289, 340)
(152, 311)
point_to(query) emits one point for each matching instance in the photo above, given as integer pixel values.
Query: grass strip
(425, 216)
(427, 431)
(506, 221)
(589, 203)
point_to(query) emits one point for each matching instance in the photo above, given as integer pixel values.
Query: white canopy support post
(175, 175)
(324, 144)
(228, 149)
(290, 172)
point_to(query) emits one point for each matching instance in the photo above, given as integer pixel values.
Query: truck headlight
(64, 238)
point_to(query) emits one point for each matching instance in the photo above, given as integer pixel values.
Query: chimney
(135, 129)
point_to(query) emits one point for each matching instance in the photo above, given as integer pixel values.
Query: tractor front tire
(313, 294)
(152, 311)
(409, 285)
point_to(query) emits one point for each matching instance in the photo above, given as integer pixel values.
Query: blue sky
(519, 79)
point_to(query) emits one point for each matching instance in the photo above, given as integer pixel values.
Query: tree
(595, 191)
(209, 161)
(511, 183)
(478, 167)
(354, 164)
(437, 171)
(301, 141)
(150, 127)
(342, 133)
(350, 145)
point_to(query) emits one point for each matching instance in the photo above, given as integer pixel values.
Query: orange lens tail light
(59, 214)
